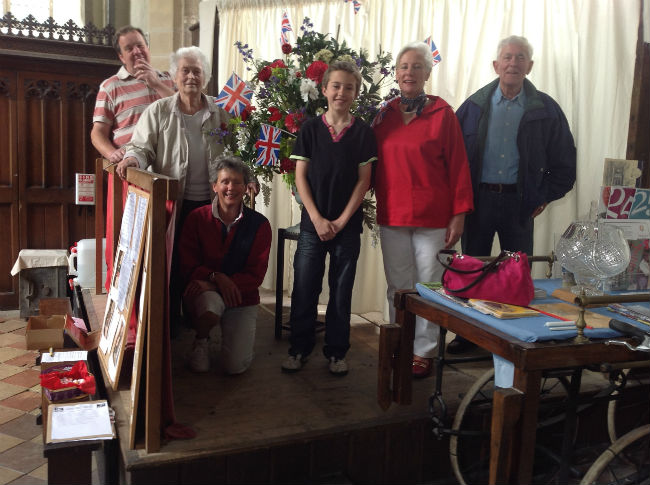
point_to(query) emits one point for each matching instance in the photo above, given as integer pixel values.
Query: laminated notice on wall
(85, 189)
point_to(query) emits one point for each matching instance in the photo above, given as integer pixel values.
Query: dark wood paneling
(9, 243)
(49, 96)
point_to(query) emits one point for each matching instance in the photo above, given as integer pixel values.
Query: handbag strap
(492, 265)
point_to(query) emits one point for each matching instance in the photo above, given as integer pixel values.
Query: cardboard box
(44, 332)
(54, 306)
(80, 336)
(45, 403)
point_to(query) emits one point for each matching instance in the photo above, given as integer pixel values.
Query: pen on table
(551, 314)
(564, 324)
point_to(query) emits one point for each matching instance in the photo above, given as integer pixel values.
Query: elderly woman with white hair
(422, 185)
(172, 137)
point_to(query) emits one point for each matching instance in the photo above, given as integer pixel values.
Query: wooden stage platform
(269, 427)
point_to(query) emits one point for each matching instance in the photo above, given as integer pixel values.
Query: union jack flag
(434, 50)
(268, 145)
(357, 5)
(286, 28)
(235, 95)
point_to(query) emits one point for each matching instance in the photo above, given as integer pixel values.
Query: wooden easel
(161, 189)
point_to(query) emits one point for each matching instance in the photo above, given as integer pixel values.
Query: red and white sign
(85, 189)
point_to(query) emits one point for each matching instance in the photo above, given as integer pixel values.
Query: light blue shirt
(501, 156)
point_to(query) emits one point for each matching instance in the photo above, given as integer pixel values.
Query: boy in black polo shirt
(333, 156)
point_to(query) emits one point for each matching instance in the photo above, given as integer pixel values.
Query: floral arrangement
(288, 91)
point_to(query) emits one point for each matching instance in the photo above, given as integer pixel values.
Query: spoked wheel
(624, 413)
(626, 461)
(469, 444)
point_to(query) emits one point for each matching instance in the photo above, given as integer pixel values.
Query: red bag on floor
(505, 279)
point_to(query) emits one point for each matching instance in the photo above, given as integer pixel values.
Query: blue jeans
(497, 213)
(308, 270)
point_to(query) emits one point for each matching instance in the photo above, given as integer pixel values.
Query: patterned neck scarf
(414, 104)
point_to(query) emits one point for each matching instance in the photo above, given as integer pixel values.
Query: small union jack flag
(268, 145)
(235, 95)
(286, 28)
(357, 5)
(434, 50)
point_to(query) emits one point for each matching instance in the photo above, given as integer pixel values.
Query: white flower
(242, 139)
(308, 89)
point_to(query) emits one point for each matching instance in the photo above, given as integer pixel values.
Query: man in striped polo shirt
(123, 97)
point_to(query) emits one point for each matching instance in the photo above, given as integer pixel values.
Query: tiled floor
(21, 439)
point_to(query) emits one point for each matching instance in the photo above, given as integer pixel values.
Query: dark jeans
(308, 269)
(497, 213)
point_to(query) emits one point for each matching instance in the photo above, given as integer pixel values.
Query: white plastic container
(85, 262)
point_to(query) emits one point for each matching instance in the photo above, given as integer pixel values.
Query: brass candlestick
(580, 322)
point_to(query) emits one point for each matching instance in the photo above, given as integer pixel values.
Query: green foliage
(288, 92)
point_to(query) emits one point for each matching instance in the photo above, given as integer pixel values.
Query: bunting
(357, 5)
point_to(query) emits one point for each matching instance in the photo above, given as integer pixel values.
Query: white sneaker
(338, 367)
(293, 363)
(200, 356)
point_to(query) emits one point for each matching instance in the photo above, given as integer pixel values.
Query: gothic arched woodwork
(49, 96)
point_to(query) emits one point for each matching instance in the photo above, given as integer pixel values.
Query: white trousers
(237, 330)
(410, 257)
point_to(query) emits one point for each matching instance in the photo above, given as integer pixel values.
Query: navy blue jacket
(547, 153)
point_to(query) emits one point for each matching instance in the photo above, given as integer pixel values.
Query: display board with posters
(126, 272)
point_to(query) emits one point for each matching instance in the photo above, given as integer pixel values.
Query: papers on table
(73, 356)
(79, 421)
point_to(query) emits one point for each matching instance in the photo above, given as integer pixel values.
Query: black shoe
(460, 345)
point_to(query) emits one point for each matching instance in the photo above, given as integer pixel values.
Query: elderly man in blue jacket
(521, 154)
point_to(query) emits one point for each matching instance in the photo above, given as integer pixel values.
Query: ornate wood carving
(70, 32)
(84, 92)
(7, 88)
(42, 89)
(49, 78)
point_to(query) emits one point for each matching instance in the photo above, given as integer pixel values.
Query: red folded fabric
(78, 376)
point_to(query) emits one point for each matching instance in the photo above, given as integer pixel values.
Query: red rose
(293, 122)
(247, 112)
(316, 70)
(278, 63)
(264, 74)
(298, 74)
(287, 165)
(275, 114)
(286, 48)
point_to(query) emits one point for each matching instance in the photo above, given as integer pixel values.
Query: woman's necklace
(414, 104)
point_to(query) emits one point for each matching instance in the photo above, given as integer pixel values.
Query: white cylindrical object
(86, 262)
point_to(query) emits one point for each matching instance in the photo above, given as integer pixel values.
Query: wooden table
(514, 416)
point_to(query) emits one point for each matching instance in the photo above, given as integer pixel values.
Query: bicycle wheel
(626, 461)
(476, 431)
(469, 444)
(624, 413)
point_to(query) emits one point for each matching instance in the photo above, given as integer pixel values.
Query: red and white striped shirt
(122, 99)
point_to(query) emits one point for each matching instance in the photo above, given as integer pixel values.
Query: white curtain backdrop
(584, 53)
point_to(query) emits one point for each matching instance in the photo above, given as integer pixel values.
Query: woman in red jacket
(423, 187)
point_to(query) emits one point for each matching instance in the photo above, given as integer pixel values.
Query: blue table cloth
(532, 329)
(529, 329)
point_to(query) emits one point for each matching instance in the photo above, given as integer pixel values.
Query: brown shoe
(422, 367)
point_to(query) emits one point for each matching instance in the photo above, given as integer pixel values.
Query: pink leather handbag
(505, 279)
